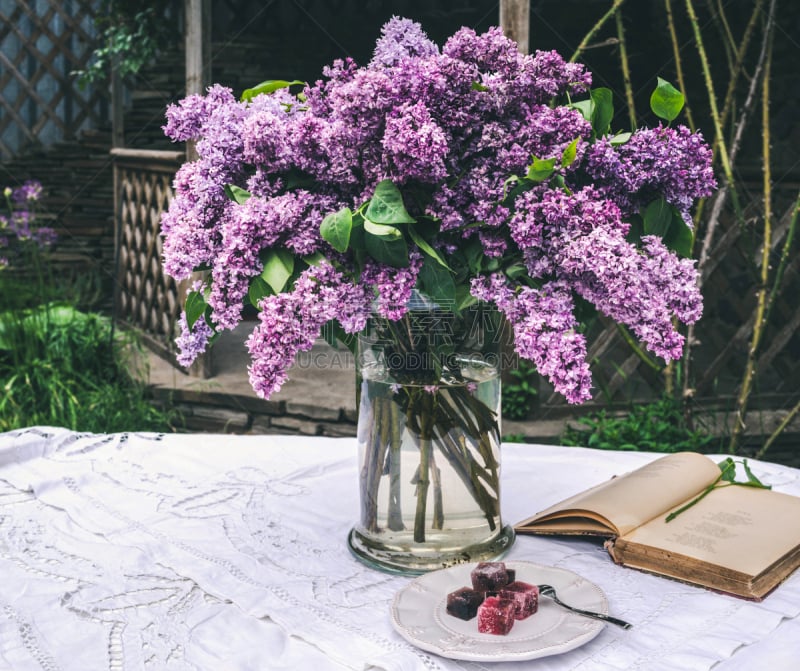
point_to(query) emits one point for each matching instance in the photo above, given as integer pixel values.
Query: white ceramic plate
(419, 614)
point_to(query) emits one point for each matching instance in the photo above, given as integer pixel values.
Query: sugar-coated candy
(489, 576)
(524, 596)
(464, 602)
(496, 616)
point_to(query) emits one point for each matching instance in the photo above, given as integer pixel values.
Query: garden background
(95, 142)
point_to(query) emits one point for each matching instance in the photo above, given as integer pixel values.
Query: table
(185, 552)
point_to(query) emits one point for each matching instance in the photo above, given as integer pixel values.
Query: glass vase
(429, 394)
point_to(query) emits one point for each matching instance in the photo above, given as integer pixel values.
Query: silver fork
(549, 590)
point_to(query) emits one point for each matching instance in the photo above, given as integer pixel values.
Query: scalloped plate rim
(418, 615)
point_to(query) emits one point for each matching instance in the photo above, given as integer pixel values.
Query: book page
(739, 528)
(630, 500)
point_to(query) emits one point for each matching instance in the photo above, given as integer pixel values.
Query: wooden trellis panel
(146, 298)
(41, 43)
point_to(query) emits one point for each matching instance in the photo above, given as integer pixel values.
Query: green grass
(63, 367)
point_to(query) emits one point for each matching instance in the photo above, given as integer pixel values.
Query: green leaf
(728, 470)
(386, 205)
(540, 169)
(268, 86)
(314, 259)
(516, 270)
(195, 306)
(477, 86)
(257, 290)
(636, 229)
(437, 283)
(751, 478)
(679, 238)
(425, 246)
(511, 182)
(585, 107)
(278, 268)
(620, 138)
(602, 111)
(473, 252)
(568, 157)
(666, 101)
(336, 228)
(657, 218)
(382, 230)
(518, 186)
(464, 298)
(384, 249)
(237, 194)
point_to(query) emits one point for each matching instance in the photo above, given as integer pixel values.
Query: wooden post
(117, 141)
(198, 50)
(198, 44)
(515, 21)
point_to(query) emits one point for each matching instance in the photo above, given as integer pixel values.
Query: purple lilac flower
(401, 39)
(545, 333)
(45, 236)
(580, 239)
(187, 119)
(453, 126)
(673, 162)
(30, 191)
(290, 323)
(393, 285)
(415, 147)
(192, 342)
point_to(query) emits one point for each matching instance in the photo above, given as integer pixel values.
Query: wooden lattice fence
(41, 43)
(145, 297)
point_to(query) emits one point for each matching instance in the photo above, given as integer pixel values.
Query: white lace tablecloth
(227, 553)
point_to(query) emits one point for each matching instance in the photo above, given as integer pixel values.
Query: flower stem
(395, 509)
(423, 478)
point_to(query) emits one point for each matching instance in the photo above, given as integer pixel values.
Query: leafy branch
(131, 33)
(727, 477)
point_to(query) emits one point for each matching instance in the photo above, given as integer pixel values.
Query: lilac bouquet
(467, 173)
(19, 228)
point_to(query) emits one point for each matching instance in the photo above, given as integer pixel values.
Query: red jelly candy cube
(496, 616)
(464, 602)
(524, 596)
(489, 576)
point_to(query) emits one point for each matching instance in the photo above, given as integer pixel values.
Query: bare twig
(727, 188)
(761, 295)
(784, 260)
(733, 83)
(676, 55)
(719, 140)
(626, 71)
(595, 28)
(778, 431)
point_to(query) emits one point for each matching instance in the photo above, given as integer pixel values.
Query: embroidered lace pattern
(142, 551)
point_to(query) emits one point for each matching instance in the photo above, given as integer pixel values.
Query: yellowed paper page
(630, 500)
(740, 528)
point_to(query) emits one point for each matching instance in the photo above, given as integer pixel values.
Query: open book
(739, 540)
